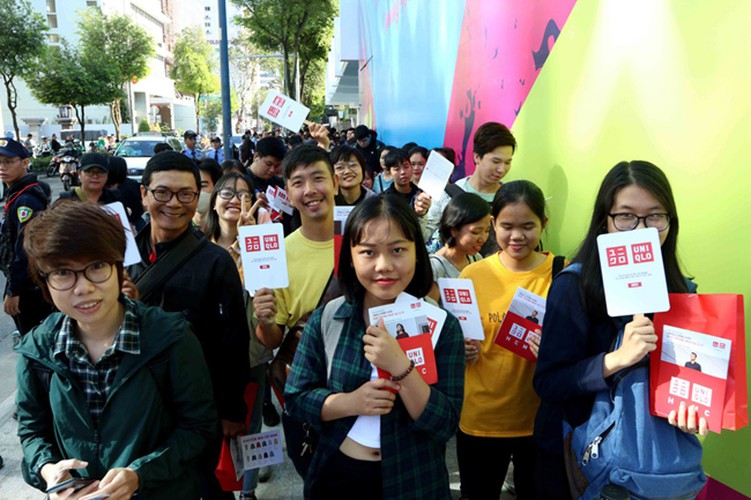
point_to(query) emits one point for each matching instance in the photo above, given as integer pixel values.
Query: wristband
(404, 375)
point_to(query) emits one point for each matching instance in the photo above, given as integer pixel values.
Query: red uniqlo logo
(450, 295)
(271, 242)
(273, 111)
(279, 101)
(252, 244)
(642, 253)
(617, 256)
(432, 324)
(464, 297)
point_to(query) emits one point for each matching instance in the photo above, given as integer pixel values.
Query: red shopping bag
(719, 315)
(225, 469)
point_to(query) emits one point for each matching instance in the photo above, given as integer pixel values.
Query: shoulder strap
(331, 330)
(42, 373)
(158, 272)
(559, 262)
(440, 261)
(18, 194)
(159, 368)
(452, 190)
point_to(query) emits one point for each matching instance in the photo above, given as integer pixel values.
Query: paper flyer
(411, 327)
(284, 111)
(132, 255)
(690, 367)
(256, 450)
(458, 297)
(436, 175)
(274, 212)
(632, 272)
(263, 256)
(522, 321)
(341, 214)
(436, 316)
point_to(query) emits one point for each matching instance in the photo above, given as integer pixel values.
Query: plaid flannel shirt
(413, 451)
(96, 379)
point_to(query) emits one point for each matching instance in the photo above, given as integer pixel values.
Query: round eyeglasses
(228, 194)
(65, 279)
(627, 221)
(344, 165)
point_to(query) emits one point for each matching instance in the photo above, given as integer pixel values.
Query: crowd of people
(132, 377)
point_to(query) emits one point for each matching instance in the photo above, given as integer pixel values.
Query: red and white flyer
(132, 255)
(458, 297)
(522, 320)
(632, 272)
(284, 111)
(411, 326)
(692, 368)
(263, 256)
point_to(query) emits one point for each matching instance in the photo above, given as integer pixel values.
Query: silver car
(138, 149)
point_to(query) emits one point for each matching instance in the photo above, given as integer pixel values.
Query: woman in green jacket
(108, 389)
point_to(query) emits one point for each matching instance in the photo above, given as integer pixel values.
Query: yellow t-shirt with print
(309, 264)
(499, 400)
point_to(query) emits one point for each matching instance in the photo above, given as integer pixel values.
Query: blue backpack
(622, 444)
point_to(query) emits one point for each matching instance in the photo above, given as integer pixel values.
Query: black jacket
(19, 209)
(208, 290)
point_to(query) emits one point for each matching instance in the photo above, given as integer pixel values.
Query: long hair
(649, 177)
(211, 227)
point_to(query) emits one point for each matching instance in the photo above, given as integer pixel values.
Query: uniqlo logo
(642, 252)
(715, 344)
(271, 242)
(279, 101)
(273, 111)
(722, 345)
(432, 324)
(450, 295)
(464, 297)
(617, 256)
(252, 244)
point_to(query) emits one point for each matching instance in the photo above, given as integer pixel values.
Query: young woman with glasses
(109, 390)
(349, 167)
(575, 359)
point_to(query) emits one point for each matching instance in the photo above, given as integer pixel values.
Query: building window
(51, 6)
(92, 3)
(52, 20)
(53, 38)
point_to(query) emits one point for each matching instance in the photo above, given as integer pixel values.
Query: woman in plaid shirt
(380, 438)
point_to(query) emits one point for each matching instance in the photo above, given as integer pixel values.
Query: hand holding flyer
(458, 297)
(263, 256)
(632, 272)
(522, 323)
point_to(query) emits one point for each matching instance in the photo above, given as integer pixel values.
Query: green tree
(211, 109)
(302, 28)
(63, 77)
(193, 70)
(22, 41)
(120, 44)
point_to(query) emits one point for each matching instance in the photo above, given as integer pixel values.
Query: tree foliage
(194, 65)
(117, 42)
(291, 27)
(64, 77)
(22, 41)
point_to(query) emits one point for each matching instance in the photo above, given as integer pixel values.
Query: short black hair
(418, 149)
(345, 152)
(361, 132)
(394, 209)
(271, 146)
(170, 160)
(117, 170)
(304, 155)
(211, 166)
(162, 146)
(464, 208)
(395, 157)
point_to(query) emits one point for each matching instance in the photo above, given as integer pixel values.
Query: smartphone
(76, 483)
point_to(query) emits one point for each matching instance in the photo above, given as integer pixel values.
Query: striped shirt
(96, 379)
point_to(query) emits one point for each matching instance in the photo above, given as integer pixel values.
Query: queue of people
(81, 369)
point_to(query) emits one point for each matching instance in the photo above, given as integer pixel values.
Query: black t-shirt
(408, 197)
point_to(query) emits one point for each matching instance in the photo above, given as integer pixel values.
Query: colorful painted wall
(665, 81)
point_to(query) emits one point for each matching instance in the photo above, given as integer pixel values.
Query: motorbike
(65, 163)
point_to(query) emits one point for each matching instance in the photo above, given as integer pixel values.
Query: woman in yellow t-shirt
(499, 402)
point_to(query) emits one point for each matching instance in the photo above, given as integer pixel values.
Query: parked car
(138, 149)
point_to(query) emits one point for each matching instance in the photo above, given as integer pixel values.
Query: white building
(342, 70)
(153, 98)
